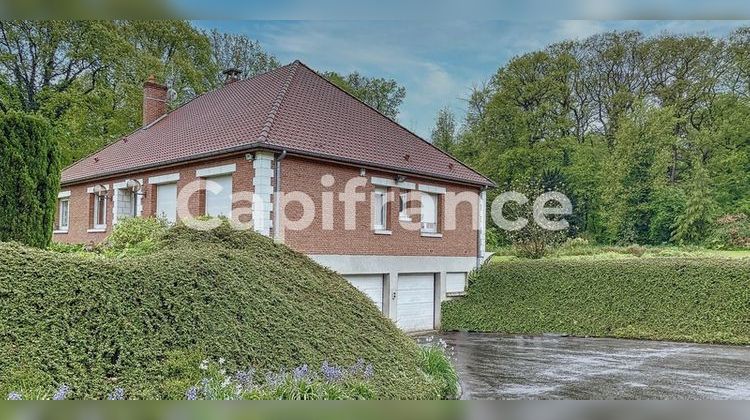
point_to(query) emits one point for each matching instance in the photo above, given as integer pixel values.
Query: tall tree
(385, 95)
(30, 180)
(692, 226)
(240, 52)
(444, 133)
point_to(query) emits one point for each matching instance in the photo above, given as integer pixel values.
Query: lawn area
(702, 297)
(616, 252)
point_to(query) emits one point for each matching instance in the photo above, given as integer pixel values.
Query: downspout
(482, 224)
(276, 198)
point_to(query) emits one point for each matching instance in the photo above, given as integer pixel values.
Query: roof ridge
(268, 124)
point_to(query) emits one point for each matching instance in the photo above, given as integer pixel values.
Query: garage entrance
(416, 302)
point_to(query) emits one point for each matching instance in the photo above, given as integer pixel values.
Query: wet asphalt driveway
(495, 366)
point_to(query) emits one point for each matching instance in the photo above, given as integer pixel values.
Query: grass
(435, 360)
(143, 323)
(691, 299)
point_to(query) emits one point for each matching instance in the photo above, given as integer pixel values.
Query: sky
(437, 62)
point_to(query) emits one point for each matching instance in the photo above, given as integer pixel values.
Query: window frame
(380, 224)
(434, 229)
(60, 226)
(403, 207)
(97, 205)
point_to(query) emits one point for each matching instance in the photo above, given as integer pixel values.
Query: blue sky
(437, 61)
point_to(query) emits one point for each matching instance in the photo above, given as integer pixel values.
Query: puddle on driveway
(493, 366)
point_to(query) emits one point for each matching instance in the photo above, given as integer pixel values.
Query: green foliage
(533, 240)
(87, 79)
(30, 168)
(435, 361)
(444, 133)
(681, 299)
(694, 223)
(134, 322)
(732, 232)
(137, 235)
(623, 117)
(385, 95)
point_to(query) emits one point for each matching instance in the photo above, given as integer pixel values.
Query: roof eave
(269, 146)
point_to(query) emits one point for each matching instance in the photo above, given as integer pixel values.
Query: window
(219, 196)
(100, 211)
(380, 209)
(403, 205)
(63, 214)
(166, 202)
(429, 212)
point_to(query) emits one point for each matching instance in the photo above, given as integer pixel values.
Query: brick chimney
(154, 100)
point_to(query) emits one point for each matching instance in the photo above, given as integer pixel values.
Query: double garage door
(415, 298)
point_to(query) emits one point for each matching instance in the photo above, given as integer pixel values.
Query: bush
(140, 322)
(137, 235)
(30, 168)
(731, 232)
(681, 299)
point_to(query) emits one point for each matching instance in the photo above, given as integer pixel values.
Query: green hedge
(681, 299)
(144, 323)
(29, 179)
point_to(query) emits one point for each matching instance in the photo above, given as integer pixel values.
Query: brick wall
(305, 175)
(301, 174)
(81, 205)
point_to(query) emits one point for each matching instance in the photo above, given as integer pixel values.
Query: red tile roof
(291, 108)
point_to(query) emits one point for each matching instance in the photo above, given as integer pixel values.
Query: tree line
(649, 136)
(86, 77)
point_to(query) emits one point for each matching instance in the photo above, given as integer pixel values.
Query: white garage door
(369, 284)
(416, 302)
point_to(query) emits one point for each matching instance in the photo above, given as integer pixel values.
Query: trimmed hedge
(679, 299)
(29, 179)
(144, 323)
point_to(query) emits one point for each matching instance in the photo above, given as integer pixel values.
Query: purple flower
(14, 396)
(274, 379)
(244, 377)
(368, 373)
(191, 394)
(117, 394)
(61, 393)
(300, 372)
(331, 373)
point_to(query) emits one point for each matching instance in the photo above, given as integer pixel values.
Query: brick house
(401, 220)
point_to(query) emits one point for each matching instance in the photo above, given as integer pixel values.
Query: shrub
(140, 322)
(137, 235)
(30, 168)
(682, 299)
(731, 232)
(435, 361)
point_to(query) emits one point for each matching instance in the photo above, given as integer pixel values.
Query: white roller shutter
(369, 284)
(416, 302)
(166, 201)
(219, 196)
(455, 282)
